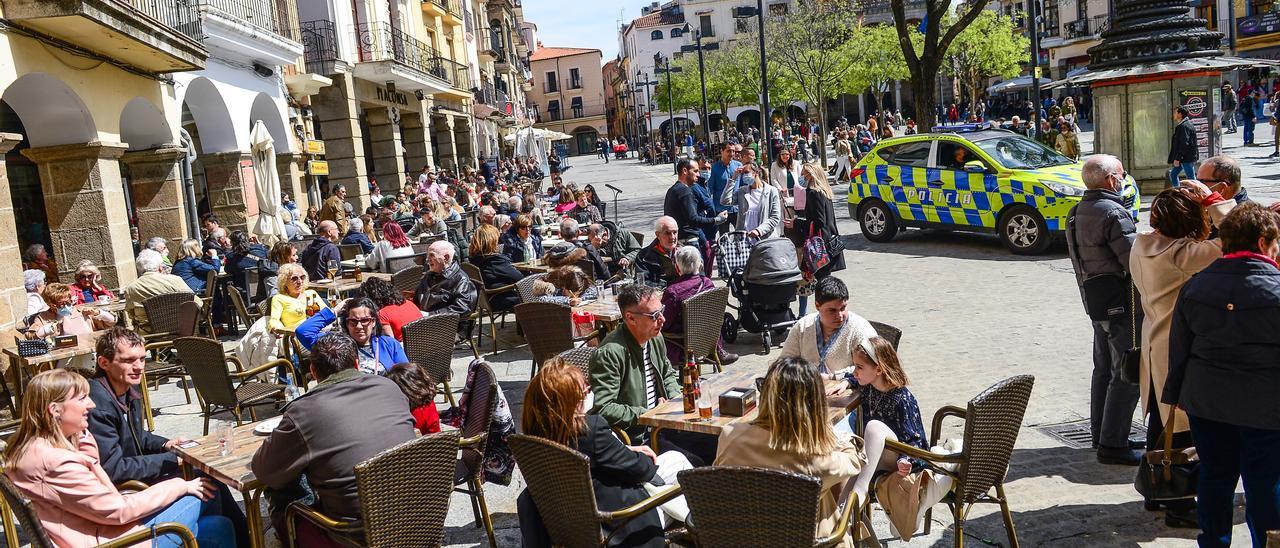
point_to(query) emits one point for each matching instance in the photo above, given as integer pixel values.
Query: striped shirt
(650, 381)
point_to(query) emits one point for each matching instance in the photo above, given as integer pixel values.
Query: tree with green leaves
(877, 62)
(925, 58)
(988, 47)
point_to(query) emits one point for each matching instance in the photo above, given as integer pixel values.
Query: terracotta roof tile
(658, 19)
(551, 53)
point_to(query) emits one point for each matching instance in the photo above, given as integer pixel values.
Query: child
(888, 410)
(420, 388)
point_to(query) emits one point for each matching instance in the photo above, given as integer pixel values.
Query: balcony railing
(1093, 26)
(382, 42)
(551, 87)
(320, 42)
(572, 113)
(450, 6)
(492, 96)
(457, 74)
(276, 16)
(575, 84)
(180, 15)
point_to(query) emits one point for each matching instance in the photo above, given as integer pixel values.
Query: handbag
(32, 347)
(1166, 474)
(732, 251)
(1132, 370)
(815, 252)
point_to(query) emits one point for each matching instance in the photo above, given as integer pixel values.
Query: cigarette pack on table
(736, 402)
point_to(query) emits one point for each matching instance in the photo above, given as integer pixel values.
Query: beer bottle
(359, 276)
(689, 386)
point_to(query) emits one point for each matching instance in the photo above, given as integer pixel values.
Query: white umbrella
(269, 227)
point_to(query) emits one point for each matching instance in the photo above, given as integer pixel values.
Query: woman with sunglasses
(289, 306)
(88, 287)
(376, 351)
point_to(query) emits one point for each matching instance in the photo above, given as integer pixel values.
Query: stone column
(338, 116)
(155, 182)
(417, 142)
(227, 176)
(464, 142)
(84, 198)
(446, 154)
(388, 162)
(292, 170)
(13, 296)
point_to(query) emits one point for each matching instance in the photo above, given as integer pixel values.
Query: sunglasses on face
(360, 321)
(651, 315)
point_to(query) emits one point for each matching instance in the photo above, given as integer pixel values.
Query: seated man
(151, 282)
(126, 450)
(618, 245)
(355, 235)
(655, 260)
(322, 251)
(345, 419)
(445, 288)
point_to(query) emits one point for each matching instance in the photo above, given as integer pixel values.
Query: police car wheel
(1023, 231)
(877, 221)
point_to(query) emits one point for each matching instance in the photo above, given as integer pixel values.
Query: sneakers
(1119, 456)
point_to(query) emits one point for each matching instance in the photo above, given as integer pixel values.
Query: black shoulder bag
(1105, 297)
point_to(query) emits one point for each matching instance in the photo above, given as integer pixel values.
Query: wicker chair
(732, 506)
(209, 295)
(482, 403)
(162, 315)
(549, 329)
(26, 512)
(486, 310)
(404, 496)
(407, 279)
(639, 236)
(429, 342)
(396, 264)
(170, 315)
(888, 333)
(587, 267)
(242, 311)
(991, 426)
(349, 251)
(580, 357)
(703, 315)
(559, 481)
(207, 364)
(525, 287)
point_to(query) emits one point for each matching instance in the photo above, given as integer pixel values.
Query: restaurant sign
(318, 167)
(315, 147)
(1257, 25)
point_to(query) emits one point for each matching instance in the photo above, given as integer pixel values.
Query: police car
(972, 179)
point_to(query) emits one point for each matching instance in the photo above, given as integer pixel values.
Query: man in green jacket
(630, 373)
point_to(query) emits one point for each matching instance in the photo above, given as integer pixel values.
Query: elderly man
(594, 252)
(620, 248)
(151, 281)
(355, 235)
(1221, 174)
(345, 419)
(161, 246)
(513, 206)
(1100, 234)
(126, 450)
(335, 208)
(322, 251)
(218, 242)
(445, 288)
(33, 281)
(655, 260)
(486, 215)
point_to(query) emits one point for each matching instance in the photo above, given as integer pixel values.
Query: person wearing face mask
(1100, 236)
(759, 205)
(62, 318)
(358, 318)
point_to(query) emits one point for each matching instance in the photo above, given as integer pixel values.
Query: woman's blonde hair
(285, 272)
(816, 180)
(54, 292)
(43, 390)
(484, 241)
(190, 249)
(793, 409)
(880, 352)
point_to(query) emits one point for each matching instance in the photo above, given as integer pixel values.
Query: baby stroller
(765, 289)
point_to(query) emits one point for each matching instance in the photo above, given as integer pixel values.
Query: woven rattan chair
(39, 538)
(486, 310)
(559, 481)
(163, 319)
(207, 364)
(888, 333)
(525, 287)
(404, 496)
(548, 327)
(587, 267)
(639, 236)
(242, 311)
(580, 357)
(396, 264)
(703, 316)
(170, 315)
(429, 342)
(349, 251)
(991, 425)
(732, 506)
(209, 295)
(406, 280)
(482, 403)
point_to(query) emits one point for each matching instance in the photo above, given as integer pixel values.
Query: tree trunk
(923, 88)
(822, 134)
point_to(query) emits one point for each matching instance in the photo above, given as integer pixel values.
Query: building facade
(568, 95)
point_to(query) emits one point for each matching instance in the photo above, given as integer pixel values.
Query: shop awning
(1185, 65)
(1021, 82)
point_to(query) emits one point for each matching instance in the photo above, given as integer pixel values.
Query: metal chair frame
(548, 328)
(703, 315)
(423, 345)
(484, 308)
(22, 507)
(888, 333)
(213, 381)
(476, 425)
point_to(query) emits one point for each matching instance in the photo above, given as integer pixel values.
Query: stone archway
(152, 169)
(748, 118)
(223, 169)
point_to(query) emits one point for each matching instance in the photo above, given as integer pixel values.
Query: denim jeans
(202, 518)
(1248, 131)
(1186, 169)
(1111, 399)
(1227, 453)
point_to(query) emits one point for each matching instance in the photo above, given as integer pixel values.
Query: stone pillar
(388, 162)
(227, 179)
(417, 142)
(292, 170)
(464, 142)
(155, 182)
(84, 198)
(446, 154)
(13, 296)
(338, 115)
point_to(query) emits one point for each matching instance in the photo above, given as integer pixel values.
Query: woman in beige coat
(1161, 262)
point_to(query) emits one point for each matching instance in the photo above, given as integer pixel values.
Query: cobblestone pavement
(971, 314)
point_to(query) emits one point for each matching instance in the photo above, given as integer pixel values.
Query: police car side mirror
(975, 167)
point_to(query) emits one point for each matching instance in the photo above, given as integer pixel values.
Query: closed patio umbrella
(269, 228)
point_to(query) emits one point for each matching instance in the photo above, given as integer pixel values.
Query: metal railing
(382, 42)
(457, 74)
(180, 15)
(450, 6)
(551, 87)
(320, 44)
(572, 112)
(275, 16)
(1092, 26)
(492, 96)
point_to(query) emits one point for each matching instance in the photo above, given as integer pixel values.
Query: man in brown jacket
(334, 208)
(346, 418)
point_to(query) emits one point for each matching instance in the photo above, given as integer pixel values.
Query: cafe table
(532, 267)
(233, 470)
(345, 285)
(605, 309)
(28, 366)
(671, 415)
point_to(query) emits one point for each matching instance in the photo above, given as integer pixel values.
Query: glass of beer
(704, 405)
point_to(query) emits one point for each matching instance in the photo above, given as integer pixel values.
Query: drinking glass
(226, 439)
(333, 268)
(705, 405)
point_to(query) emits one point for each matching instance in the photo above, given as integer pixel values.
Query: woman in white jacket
(759, 205)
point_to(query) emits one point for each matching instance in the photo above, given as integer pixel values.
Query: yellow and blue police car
(970, 179)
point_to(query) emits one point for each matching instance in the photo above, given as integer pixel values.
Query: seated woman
(420, 388)
(394, 311)
(556, 407)
(568, 199)
(691, 282)
(791, 433)
(194, 265)
(61, 318)
(583, 210)
(88, 287)
(594, 199)
(358, 318)
(566, 285)
(522, 243)
(393, 244)
(888, 409)
(53, 460)
(289, 306)
(245, 253)
(269, 271)
(495, 268)
(33, 282)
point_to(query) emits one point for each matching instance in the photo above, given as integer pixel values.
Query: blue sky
(582, 23)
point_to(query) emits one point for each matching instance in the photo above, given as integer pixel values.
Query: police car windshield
(1018, 152)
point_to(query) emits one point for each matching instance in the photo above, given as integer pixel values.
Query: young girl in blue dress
(888, 410)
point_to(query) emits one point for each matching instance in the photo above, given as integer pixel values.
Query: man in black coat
(681, 204)
(445, 288)
(323, 250)
(1183, 152)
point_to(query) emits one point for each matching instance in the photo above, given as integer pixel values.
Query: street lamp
(658, 59)
(742, 13)
(643, 82)
(702, 76)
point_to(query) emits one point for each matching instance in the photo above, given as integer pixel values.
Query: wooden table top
(530, 267)
(671, 414)
(85, 346)
(232, 469)
(604, 309)
(113, 306)
(345, 285)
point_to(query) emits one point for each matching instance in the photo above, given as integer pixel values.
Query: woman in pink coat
(53, 460)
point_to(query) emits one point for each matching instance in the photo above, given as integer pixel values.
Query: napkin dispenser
(736, 402)
(65, 341)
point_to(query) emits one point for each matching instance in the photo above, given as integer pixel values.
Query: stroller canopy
(772, 262)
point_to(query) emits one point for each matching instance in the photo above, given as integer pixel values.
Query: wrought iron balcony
(383, 42)
(275, 16)
(320, 40)
(151, 35)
